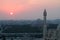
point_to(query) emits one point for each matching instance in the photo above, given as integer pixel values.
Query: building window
(55, 39)
(45, 39)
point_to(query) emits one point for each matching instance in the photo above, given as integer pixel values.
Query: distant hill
(57, 21)
(33, 22)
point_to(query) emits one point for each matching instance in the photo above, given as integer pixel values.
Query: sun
(11, 13)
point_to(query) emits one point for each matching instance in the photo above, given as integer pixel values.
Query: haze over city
(29, 9)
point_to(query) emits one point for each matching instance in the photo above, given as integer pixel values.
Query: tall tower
(45, 26)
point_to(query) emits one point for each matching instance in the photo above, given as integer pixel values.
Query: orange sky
(28, 5)
(15, 5)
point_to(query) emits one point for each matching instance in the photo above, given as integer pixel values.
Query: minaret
(44, 26)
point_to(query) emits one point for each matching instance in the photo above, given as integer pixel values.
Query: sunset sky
(29, 9)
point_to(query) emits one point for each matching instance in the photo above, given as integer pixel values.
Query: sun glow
(11, 13)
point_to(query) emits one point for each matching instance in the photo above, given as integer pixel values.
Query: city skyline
(29, 9)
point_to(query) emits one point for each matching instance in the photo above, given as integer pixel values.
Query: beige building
(51, 34)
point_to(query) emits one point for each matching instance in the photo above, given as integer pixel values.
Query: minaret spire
(45, 13)
(45, 26)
